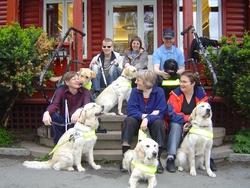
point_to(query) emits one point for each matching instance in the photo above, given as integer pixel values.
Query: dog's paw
(180, 168)
(81, 169)
(193, 173)
(70, 168)
(202, 167)
(211, 174)
(96, 167)
(120, 113)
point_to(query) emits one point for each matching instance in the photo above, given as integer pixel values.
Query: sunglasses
(106, 46)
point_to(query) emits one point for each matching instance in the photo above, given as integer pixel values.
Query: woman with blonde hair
(145, 110)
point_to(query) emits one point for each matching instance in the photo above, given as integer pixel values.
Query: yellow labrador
(85, 76)
(195, 149)
(118, 91)
(142, 162)
(76, 141)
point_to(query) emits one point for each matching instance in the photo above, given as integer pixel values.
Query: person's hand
(115, 62)
(185, 127)
(75, 116)
(93, 62)
(155, 112)
(165, 75)
(144, 124)
(46, 118)
(126, 65)
(189, 119)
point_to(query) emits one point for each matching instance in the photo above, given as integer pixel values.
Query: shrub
(23, 55)
(242, 141)
(6, 138)
(231, 63)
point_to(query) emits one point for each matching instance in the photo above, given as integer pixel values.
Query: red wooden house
(119, 20)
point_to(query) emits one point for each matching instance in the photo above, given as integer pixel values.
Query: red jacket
(175, 102)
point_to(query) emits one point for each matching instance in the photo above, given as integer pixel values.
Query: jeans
(174, 137)
(98, 81)
(130, 127)
(56, 131)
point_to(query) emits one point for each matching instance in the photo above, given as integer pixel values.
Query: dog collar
(144, 168)
(202, 132)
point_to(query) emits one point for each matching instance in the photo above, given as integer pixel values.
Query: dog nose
(208, 110)
(154, 153)
(102, 107)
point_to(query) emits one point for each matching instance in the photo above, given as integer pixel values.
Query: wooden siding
(30, 13)
(96, 26)
(234, 18)
(3, 13)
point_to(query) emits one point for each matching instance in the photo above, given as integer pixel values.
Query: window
(58, 17)
(130, 18)
(206, 18)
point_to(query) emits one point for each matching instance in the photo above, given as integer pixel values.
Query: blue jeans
(56, 131)
(174, 137)
(98, 82)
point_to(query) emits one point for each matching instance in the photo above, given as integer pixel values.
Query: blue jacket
(136, 106)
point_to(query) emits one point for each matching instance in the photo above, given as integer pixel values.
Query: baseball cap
(168, 33)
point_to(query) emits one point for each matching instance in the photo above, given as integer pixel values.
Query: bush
(23, 55)
(242, 141)
(6, 138)
(232, 66)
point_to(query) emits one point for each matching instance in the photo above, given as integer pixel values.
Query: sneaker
(213, 166)
(170, 165)
(96, 94)
(160, 169)
(122, 169)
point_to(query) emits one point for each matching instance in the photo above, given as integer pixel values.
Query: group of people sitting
(148, 107)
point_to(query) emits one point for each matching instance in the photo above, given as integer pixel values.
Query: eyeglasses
(106, 46)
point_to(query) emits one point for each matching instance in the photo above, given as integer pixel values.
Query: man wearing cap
(164, 52)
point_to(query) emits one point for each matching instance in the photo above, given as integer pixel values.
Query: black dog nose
(208, 110)
(154, 154)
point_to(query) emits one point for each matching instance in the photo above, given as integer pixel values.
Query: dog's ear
(126, 72)
(78, 72)
(139, 150)
(93, 74)
(193, 114)
(82, 116)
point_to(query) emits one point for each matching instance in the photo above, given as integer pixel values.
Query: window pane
(125, 26)
(54, 20)
(149, 29)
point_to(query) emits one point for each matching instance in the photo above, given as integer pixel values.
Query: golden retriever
(85, 76)
(118, 91)
(195, 149)
(142, 162)
(76, 141)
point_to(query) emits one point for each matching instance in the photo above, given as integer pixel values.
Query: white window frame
(198, 23)
(140, 4)
(65, 20)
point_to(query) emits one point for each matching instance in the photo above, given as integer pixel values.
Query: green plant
(231, 63)
(23, 55)
(242, 141)
(6, 138)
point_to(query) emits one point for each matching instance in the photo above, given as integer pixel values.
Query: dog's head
(171, 67)
(90, 113)
(129, 72)
(147, 149)
(85, 75)
(202, 113)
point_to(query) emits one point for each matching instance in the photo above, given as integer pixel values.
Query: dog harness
(171, 82)
(202, 132)
(144, 168)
